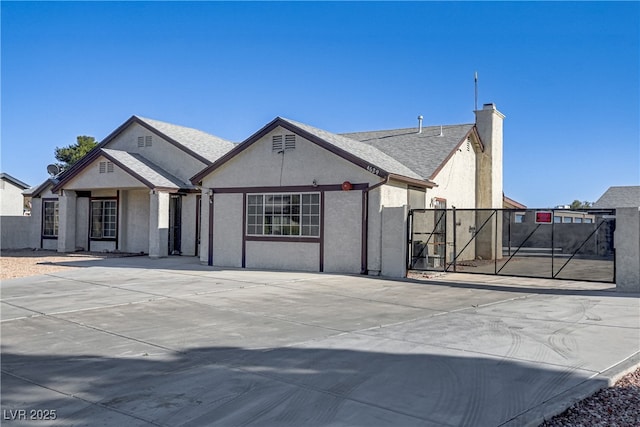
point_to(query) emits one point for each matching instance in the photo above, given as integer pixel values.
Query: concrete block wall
(19, 232)
(394, 241)
(627, 244)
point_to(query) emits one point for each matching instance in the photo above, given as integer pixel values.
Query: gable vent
(140, 141)
(276, 143)
(105, 167)
(147, 141)
(289, 142)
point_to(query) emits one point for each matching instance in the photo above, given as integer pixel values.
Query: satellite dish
(53, 169)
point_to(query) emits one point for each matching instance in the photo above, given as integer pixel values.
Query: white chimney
(489, 125)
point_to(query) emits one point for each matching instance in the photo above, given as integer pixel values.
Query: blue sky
(566, 75)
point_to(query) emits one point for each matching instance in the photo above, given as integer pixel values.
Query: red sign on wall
(544, 217)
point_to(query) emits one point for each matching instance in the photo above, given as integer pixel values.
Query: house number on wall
(373, 170)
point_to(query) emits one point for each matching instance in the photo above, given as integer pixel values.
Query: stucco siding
(16, 232)
(12, 201)
(283, 255)
(161, 152)
(82, 222)
(259, 165)
(188, 232)
(134, 221)
(343, 232)
(457, 179)
(91, 178)
(227, 231)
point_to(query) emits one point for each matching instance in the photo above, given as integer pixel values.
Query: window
(588, 221)
(289, 214)
(567, 219)
(103, 219)
(577, 220)
(557, 218)
(519, 218)
(50, 218)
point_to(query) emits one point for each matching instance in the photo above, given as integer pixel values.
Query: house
(131, 193)
(619, 197)
(12, 200)
(292, 196)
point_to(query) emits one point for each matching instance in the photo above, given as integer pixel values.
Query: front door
(175, 224)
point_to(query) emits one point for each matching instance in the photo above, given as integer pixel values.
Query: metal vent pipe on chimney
(419, 124)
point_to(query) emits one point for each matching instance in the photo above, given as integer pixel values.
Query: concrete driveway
(138, 342)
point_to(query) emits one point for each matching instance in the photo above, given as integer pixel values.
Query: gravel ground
(617, 406)
(29, 262)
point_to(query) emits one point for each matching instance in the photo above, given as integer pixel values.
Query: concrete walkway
(139, 342)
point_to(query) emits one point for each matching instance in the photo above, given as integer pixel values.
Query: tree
(577, 204)
(67, 156)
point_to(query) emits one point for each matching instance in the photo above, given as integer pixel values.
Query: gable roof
(36, 191)
(619, 197)
(361, 154)
(424, 152)
(14, 181)
(147, 172)
(200, 145)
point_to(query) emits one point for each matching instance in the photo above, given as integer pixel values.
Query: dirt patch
(28, 262)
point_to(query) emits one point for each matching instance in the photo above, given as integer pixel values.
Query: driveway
(140, 342)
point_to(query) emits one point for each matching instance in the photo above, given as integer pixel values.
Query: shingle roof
(146, 171)
(367, 152)
(619, 197)
(421, 152)
(36, 191)
(13, 180)
(208, 146)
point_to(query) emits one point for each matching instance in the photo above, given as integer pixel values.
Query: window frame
(56, 219)
(308, 214)
(103, 214)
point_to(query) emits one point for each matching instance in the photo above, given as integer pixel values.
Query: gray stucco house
(291, 196)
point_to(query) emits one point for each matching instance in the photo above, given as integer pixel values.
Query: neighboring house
(11, 198)
(45, 216)
(131, 193)
(508, 203)
(619, 197)
(292, 196)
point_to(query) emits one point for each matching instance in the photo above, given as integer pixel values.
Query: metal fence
(546, 243)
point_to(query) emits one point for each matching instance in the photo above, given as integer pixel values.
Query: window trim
(42, 228)
(300, 237)
(103, 200)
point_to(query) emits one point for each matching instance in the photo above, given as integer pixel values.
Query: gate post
(627, 249)
(394, 242)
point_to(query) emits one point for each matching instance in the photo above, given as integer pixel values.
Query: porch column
(158, 224)
(67, 221)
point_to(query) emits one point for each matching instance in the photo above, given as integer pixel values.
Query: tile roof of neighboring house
(14, 181)
(208, 146)
(359, 153)
(619, 197)
(152, 175)
(423, 152)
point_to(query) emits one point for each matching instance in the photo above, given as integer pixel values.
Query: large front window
(287, 214)
(103, 219)
(50, 218)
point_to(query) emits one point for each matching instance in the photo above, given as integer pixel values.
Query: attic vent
(144, 141)
(106, 167)
(289, 142)
(276, 143)
(468, 145)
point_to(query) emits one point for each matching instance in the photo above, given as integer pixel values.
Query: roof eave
(413, 181)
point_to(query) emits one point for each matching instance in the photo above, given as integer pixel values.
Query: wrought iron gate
(546, 243)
